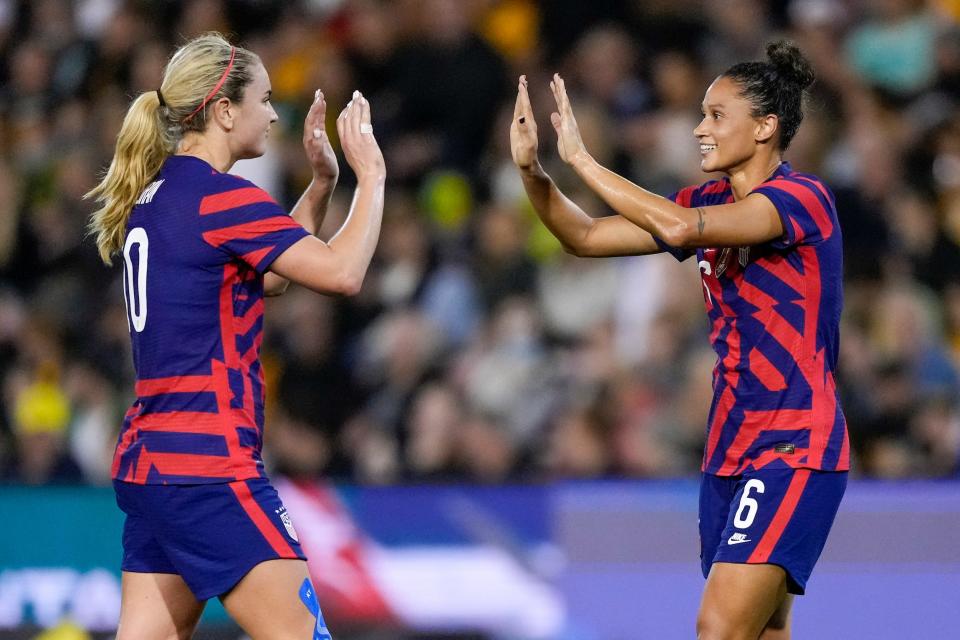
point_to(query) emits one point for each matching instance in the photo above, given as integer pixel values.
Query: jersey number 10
(135, 280)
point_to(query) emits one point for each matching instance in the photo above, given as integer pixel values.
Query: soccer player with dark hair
(768, 244)
(201, 248)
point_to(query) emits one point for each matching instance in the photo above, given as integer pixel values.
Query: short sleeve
(246, 223)
(805, 208)
(683, 198)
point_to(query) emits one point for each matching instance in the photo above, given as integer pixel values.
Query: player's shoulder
(225, 192)
(808, 188)
(710, 187)
(230, 182)
(194, 174)
(239, 189)
(699, 194)
(202, 191)
(809, 180)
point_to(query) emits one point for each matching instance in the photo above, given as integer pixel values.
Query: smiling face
(252, 117)
(729, 134)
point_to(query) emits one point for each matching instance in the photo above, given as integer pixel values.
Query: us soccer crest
(724, 261)
(287, 523)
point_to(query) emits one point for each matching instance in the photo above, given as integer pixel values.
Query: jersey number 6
(747, 510)
(135, 280)
(707, 270)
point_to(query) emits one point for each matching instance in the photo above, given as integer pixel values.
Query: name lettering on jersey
(149, 192)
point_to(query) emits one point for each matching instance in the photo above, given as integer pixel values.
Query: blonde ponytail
(142, 146)
(199, 73)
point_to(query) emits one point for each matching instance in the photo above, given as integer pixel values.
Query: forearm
(356, 240)
(310, 211)
(659, 216)
(311, 208)
(565, 220)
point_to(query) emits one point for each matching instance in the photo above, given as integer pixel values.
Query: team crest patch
(287, 523)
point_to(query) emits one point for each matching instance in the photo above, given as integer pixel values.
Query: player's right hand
(317, 145)
(523, 130)
(356, 138)
(569, 142)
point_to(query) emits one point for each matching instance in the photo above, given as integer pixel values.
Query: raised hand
(569, 143)
(317, 145)
(523, 130)
(356, 137)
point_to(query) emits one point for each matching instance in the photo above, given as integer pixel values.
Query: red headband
(233, 51)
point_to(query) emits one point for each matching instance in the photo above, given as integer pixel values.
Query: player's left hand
(316, 143)
(569, 143)
(523, 130)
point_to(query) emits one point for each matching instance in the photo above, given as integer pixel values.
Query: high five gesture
(523, 130)
(356, 135)
(524, 140)
(579, 233)
(790, 256)
(569, 143)
(317, 145)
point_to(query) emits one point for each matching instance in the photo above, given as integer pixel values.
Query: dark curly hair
(777, 86)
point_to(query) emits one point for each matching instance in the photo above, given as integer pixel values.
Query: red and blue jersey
(198, 243)
(774, 313)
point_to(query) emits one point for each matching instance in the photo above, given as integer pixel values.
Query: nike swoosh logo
(737, 541)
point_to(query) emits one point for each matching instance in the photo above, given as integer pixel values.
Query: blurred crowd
(477, 351)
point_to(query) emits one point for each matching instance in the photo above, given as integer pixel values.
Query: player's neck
(200, 146)
(752, 174)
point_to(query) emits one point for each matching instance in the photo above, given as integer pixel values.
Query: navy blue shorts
(770, 516)
(209, 534)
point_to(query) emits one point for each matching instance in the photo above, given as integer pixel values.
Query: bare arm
(338, 267)
(309, 211)
(750, 221)
(311, 208)
(579, 233)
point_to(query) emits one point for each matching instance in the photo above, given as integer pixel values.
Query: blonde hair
(152, 130)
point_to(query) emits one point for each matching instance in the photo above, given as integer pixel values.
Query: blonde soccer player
(201, 248)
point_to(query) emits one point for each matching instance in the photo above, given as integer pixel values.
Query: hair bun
(790, 63)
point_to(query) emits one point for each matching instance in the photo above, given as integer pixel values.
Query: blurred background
(478, 357)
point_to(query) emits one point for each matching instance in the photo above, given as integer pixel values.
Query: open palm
(316, 143)
(569, 143)
(523, 129)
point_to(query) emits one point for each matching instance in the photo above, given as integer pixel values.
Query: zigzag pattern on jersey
(234, 220)
(202, 428)
(773, 381)
(178, 431)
